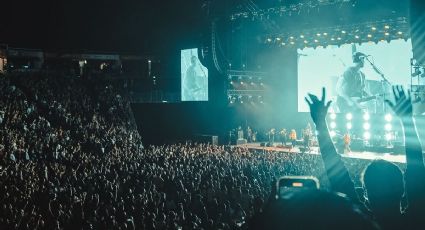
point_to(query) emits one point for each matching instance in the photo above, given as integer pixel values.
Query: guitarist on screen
(351, 85)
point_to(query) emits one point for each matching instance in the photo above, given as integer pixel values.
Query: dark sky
(104, 25)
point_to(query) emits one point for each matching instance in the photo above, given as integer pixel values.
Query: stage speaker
(241, 141)
(206, 139)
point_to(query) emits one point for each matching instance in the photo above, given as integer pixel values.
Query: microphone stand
(378, 71)
(384, 79)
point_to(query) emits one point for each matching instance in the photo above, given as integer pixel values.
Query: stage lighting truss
(376, 31)
(255, 13)
(247, 96)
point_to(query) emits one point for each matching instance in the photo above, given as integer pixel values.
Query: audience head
(384, 186)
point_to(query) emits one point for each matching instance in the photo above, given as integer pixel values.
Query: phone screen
(296, 182)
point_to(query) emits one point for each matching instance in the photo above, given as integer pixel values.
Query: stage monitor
(349, 85)
(194, 77)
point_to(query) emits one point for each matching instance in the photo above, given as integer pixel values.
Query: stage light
(231, 82)
(283, 43)
(325, 34)
(339, 39)
(369, 35)
(301, 36)
(305, 41)
(278, 39)
(261, 83)
(366, 116)
(366, 135)
(241, 82)
(292, 43)
(332, 39)
(387, 34)
(343, 31)
(333, 116)
(373, 28)
(269, 40)
(349, 116)
(333, 125)
(366, 126)
(388, 127)
(315, 40)
(388, 136)
(400, 33)
(332, 133)
(349, 125)
(388, 117)
(318, 34)
(357, 36)
(291, 37)
(387, 27)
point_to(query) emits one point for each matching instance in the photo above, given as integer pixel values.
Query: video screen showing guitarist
(350, 87)
(195, 83)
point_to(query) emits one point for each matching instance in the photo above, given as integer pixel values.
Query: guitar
(355, 103)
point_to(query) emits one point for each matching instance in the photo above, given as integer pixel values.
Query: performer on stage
(272, 132)
(240, 133)
(249, 134)
(351, 85)
(307, 134)
(283, 136)
(347, 142)
(293, 137)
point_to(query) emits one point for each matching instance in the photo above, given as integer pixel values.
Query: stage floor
(399, 158)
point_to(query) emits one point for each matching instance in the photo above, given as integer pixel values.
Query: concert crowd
(71, 158)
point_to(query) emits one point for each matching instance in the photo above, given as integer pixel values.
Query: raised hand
(318, 108)
(403, 103)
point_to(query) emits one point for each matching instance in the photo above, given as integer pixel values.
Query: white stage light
(366, 135)
(333, 125)
(349, 125)
(388, 117)
(366, 126)
(332, 133)
(388, 127)
(332, 116)
(366, 116)
(349, 116)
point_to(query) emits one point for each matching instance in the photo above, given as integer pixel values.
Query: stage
(393, 157)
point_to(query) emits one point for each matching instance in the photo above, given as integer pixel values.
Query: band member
(249, 134)
(293, 137)
(240, 133)
(347, 142)
(284, 136)
(351, 85)
(272, 132)
(307, 134)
